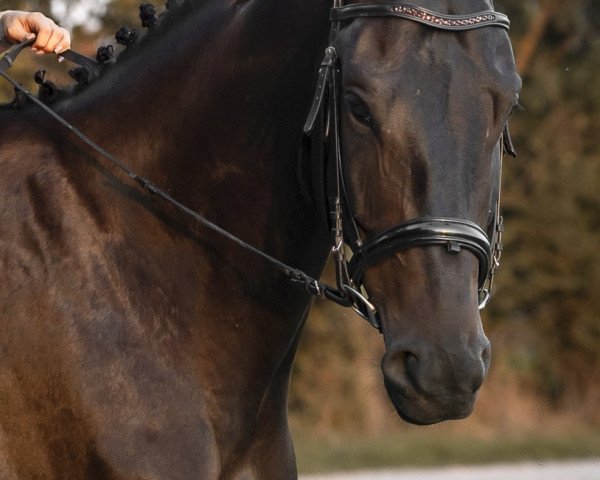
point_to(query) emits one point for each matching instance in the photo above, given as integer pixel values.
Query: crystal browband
(421, 15)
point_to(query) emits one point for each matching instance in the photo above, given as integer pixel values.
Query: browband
(421, 15)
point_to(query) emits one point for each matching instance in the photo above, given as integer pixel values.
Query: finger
(55, 39)
(44, 32)
(65, 43)
(40, 25)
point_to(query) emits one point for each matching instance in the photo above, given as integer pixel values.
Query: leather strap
(328, 64)
(8, 58)
(407, 11)
(454, 233)
(80, 59)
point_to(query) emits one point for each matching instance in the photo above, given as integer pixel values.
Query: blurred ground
(582, 470)
(441, 446)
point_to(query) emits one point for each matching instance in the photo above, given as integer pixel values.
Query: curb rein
(454, 233)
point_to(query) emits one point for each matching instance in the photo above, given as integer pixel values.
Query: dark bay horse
(138, 344)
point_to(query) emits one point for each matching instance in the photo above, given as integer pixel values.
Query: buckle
(362, 306)
(484, 298)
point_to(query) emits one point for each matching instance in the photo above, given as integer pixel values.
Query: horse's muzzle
(429, 384)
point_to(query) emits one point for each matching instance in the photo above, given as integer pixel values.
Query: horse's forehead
(379, 50)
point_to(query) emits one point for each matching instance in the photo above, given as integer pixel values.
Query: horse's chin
(430, 410)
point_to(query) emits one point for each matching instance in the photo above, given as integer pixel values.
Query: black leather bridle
(453, 233)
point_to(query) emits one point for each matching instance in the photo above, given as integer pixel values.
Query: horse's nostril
(411, 364)
(401, 370)
(486, 356)
(430, 371)
(486, 353)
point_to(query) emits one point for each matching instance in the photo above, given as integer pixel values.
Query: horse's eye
(359, 110)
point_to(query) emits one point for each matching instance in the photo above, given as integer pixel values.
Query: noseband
(453, 233)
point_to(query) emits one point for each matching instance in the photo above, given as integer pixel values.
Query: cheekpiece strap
(421, 15)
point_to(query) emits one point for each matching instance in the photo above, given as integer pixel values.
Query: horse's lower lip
(423, 411)
(408, 419)
(430, 421)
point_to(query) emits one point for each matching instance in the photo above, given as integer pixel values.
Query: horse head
(422, 111)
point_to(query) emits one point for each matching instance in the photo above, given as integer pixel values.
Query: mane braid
(133, 41)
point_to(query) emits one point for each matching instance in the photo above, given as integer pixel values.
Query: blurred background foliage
(544, 321)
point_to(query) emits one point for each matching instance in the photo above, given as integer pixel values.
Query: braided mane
(132, 40)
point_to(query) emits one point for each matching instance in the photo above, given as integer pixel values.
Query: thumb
(28, 36)
(24, 35)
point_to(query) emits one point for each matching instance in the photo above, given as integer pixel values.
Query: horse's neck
(217, 106)
(217, 69)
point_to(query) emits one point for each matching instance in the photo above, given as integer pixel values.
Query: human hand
(20, 26)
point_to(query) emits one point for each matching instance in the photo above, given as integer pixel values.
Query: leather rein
(454, 233)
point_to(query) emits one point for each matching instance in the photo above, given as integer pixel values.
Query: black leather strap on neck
(421, 15)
